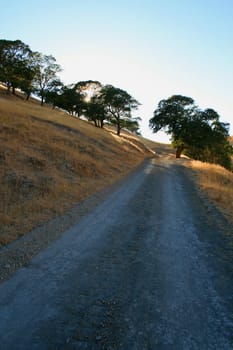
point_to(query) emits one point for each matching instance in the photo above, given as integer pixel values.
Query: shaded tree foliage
(54, 92)
(88, 88)
(70, 100)
(132, 125)
(95, 111)
(199, 134)
(91, 104)
(29, 71)
(46, 70)
(15, 69)
(119, 105)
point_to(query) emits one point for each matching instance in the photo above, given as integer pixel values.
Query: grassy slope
(49, 161)
(217, 183)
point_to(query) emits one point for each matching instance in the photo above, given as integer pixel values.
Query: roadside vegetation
(197, 133)
(49, 161)
(217, 183)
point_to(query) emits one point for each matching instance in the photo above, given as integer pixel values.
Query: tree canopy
(15, 63)
(119, 105)
(45, 74)
(198, 133)
(29, 71)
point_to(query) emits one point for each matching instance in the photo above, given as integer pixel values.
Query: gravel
(149, 267)
(20, 252)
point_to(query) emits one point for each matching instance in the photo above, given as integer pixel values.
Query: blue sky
(152, 49)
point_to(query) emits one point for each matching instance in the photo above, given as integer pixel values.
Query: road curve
(149, 268)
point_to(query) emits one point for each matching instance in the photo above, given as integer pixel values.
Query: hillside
(50, 161)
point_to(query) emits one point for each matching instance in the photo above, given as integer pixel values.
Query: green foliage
(29, 71)
(95, 111)
(46, 70)
(54, 92)
(15, 58)
(119, 105)
(92, 105)
(88, 88)
(198, 133)
(215, 146)
(70, 99)
(132, 124)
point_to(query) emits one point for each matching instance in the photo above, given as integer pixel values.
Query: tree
(199, 133)
(26, 83)
(70, 100)
(14, 64)
(88, 88)
(94, 108)
(89, 92)
(132, 125)
(173, 115)
(215, 146)
(95, 111)
(54, 92)
(46, 74)
(119, 105)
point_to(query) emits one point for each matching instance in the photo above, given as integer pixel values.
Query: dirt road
(150, 268)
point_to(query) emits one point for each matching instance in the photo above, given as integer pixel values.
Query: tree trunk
(42, 100)
(118, 129)
(179, 150)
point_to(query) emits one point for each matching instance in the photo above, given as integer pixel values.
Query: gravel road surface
(148, 268)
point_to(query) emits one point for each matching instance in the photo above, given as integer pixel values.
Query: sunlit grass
(49, 161)
(217, 182)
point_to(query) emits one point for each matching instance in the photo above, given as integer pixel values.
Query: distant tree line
(36, 73)
(195, 132)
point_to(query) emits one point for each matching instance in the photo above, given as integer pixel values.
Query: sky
(153, 49)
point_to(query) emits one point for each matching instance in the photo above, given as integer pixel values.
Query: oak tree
(199, 133)
(119, 105)
(46, 74)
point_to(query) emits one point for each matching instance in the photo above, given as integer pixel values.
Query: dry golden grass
(217, 182)
(50, 161)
